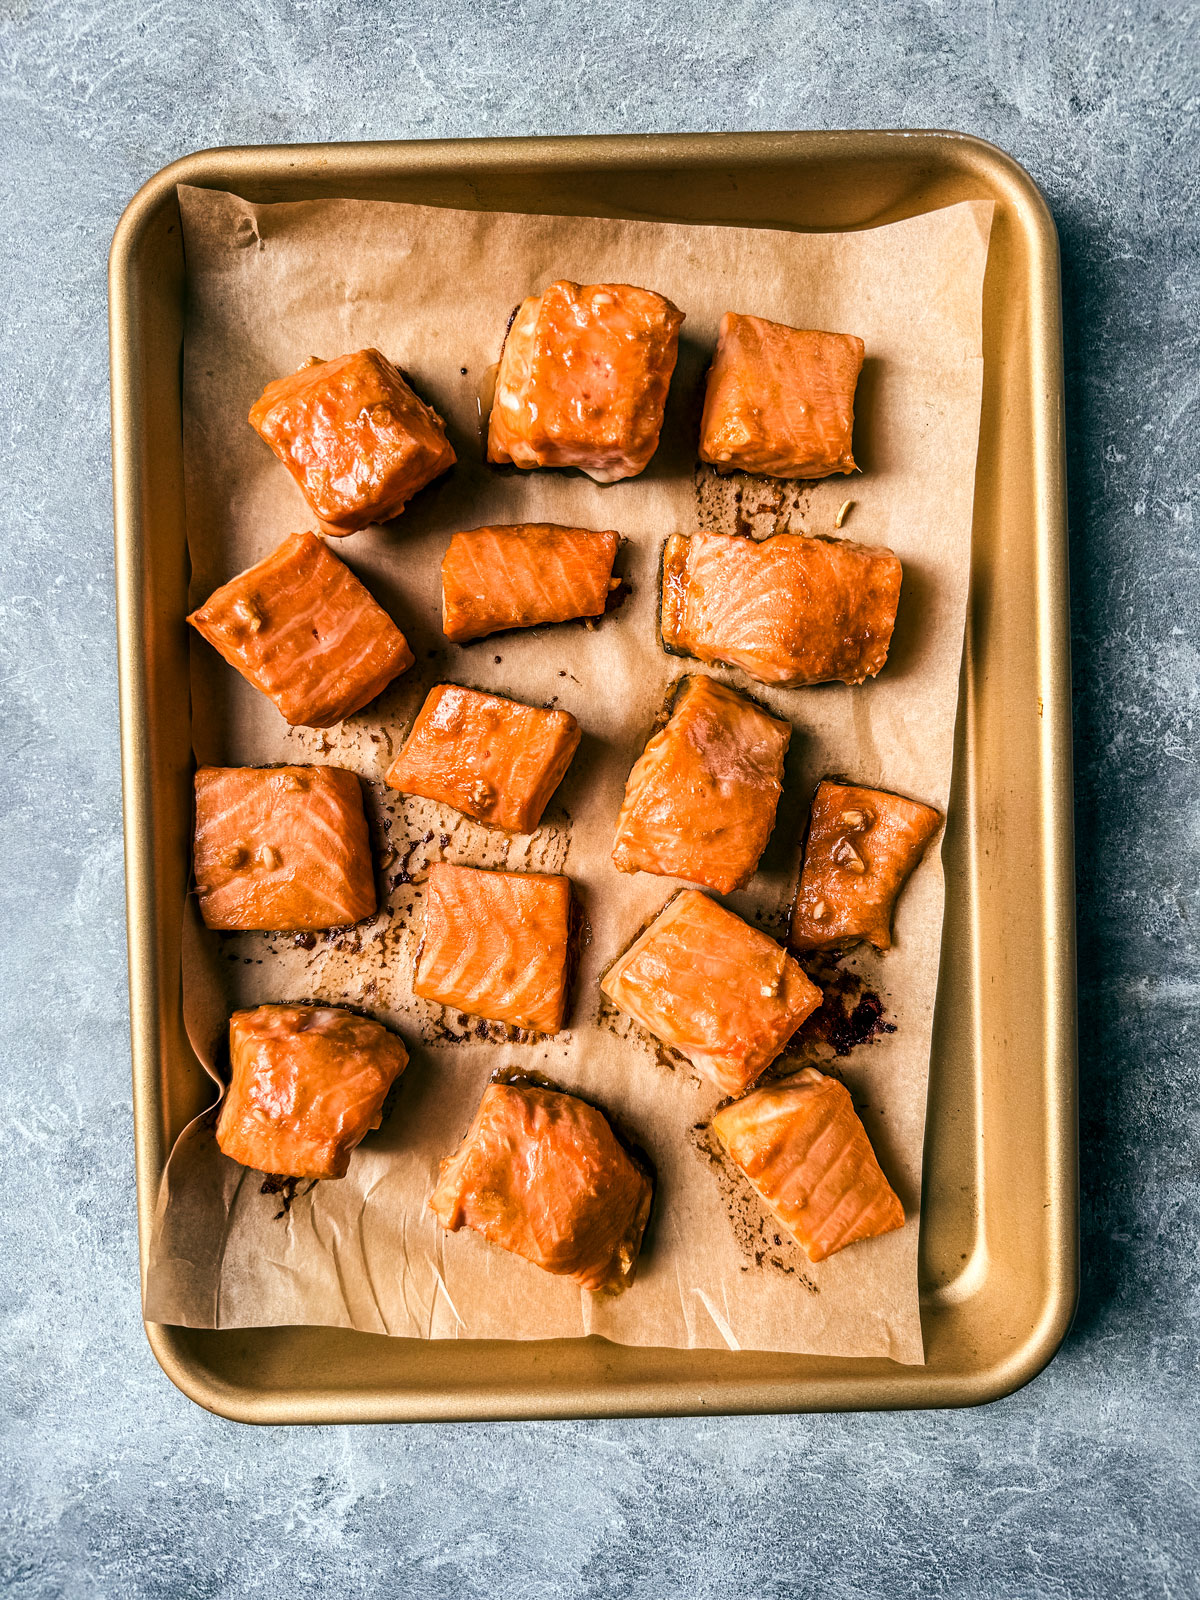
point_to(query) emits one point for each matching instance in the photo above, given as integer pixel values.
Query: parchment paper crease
(432, 288)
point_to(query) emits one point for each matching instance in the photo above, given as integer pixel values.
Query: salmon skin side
(780, 401)
(524, 575)
(496, 945)
(788, 610)
(304, 631)
(308, 1083)
(801, 1144)
(722, 993)
(541, 1174)
(283, 848)
(355, 437)
(493, 759)
(700, 800)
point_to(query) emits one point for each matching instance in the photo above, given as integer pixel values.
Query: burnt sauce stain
(764, 1245)
(288, 1190)
(850, 1015)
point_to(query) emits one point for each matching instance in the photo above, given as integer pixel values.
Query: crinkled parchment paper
(433, 289)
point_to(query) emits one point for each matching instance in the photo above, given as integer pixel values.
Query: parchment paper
(433, 289)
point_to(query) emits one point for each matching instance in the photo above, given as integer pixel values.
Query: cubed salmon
(308, 1083)
(305, 632)
(583, 379)
(722, 993)
(523, 576)
(282, 848)
(542, 1175)
(801, 1144)
(788, 610)
(497, 945)
(493, 759)
(700, 801)
(780, 400)
(862, 846)
(354, 436)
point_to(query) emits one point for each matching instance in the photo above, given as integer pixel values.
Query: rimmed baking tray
(999, 1233)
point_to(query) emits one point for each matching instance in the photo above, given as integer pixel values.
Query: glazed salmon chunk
(308, 1083)
(802, 1146)
(497, 945)
(282, 848)
(780, 400)
(493, 759)
(700, 800)
(522, 576)
(541, 1174)
(862, 846)
(583, 380)
(787, 610)
(712, 987)
(354, 436)
(304, 631)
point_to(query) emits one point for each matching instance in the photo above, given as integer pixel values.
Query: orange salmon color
(493, 759)
(354, 436)
(787, 610)
(700, 800)
(282, 848)
(496, 945)
(541, 1174)
(802, 1146)
(780, 400)
(583, 380)
(862, 846)
(304, 631)
(308, 1083)
(717, 990)
(520, 577)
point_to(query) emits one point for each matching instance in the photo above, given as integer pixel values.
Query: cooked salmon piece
(780, 400)
(308, 1083)
(583, 380)
(862, 845)
(787, 610)
(802, 1146)
(519, 577)
(712, 987)
(497, 945)
(700, 800)
(541, 1174)
(493, 759)
(282, 848)
(354, 436)
(304, 631)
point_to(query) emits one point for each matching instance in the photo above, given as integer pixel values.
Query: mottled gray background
(1085, 1483)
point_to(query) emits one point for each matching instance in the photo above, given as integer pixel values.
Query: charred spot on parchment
(850, 1015)
(763, 1243)
(287, 1189)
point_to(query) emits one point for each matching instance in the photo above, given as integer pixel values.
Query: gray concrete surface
(113, 1484)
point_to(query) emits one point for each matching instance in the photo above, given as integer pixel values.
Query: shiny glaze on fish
(496, 945)
(802, 1146)
(524, 575)
(780, 400)
(700, 801)
(493, 759)
(583, 379)
(305, 632)
(354, 436)
(788, 610)
(862, 846)
(712, 987)
(541, 1174)
(308, 1083)
(282, 848)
